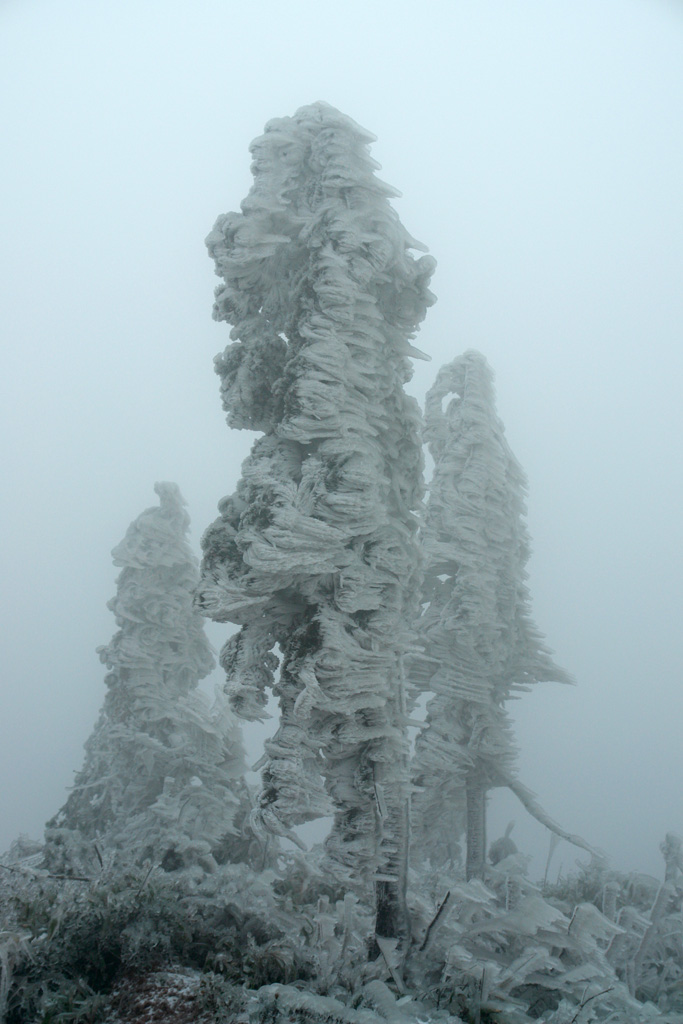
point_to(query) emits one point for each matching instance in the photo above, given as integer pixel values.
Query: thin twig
(586, 1001)
(387, 948)
(144, 880)
(38, 874)
(99, 855)
(569, 926)
(433, 921)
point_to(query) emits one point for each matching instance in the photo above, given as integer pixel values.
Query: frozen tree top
(316, 209)
(476, 536)
(157, 536)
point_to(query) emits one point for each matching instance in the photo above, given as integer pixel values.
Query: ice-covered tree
(316, 550)
(481, 644)
(162, 775)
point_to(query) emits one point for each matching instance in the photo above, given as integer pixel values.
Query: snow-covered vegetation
(316, 550)
(479, 642)
(164, 889)
(163, 772)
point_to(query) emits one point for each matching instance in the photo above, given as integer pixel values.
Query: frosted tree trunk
(476, 825)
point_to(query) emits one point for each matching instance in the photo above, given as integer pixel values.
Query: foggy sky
(539, 152)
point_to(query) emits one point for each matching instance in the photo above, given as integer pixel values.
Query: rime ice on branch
(316, 549)
(480, 640)
(162, 768)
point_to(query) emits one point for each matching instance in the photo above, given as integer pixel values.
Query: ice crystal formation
(480, 640)
(162, 768)
(318, 560)
(316, 549)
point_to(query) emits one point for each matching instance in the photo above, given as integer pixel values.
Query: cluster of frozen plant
(352, 598)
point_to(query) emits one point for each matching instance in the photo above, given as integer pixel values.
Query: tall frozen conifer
(316, 550)
(480, 640)
(162, 776)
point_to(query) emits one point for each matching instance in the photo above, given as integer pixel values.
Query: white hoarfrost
(480, 642)
(162, 776)
(316, 549)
